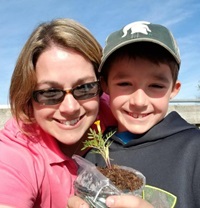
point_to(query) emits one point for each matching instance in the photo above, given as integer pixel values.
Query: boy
(139, 71)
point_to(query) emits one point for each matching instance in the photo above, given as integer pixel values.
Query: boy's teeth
(137, 115)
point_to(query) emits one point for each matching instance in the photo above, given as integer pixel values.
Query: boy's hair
(65, 33)
(142, 39)
(145, 50)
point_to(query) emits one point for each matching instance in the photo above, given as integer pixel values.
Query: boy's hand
(127, 201)
(122, 201)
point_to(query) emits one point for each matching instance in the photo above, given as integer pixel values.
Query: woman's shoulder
(19, 145)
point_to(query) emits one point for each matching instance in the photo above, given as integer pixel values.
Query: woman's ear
(104, 85)
(175, 89)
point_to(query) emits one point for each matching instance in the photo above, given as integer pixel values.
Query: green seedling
(99, 142)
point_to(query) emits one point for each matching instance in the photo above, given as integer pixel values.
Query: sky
(19, 18)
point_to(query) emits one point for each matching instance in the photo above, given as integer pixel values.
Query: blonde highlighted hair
(65, 33)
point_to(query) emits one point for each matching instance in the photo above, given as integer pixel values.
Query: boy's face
(139, 93)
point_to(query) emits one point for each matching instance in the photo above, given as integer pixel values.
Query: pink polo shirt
(41, 177)
(105, 115)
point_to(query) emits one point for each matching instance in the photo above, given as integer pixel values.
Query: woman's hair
(146, 50)
(65, 33)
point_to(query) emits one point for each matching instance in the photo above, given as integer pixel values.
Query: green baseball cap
(141, 31)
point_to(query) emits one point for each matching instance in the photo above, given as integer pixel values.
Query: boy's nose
(69, 105)
(138, 98)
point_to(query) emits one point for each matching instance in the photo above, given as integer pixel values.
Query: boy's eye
(157, 86)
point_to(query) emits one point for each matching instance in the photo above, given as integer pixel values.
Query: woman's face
(65, 69)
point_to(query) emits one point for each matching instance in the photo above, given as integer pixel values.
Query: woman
(54, 98)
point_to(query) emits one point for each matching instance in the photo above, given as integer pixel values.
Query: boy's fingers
(76, 202)
(127, 201)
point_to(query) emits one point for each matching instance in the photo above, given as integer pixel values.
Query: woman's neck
(69, 150)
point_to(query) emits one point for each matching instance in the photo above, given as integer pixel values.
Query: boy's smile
(139, 93)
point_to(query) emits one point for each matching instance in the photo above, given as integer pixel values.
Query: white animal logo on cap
(136, 27)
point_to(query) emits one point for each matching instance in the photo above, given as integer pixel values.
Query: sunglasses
(54, 96)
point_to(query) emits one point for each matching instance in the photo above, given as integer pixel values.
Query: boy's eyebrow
(161, 77)
(121, 75)
(157, 76)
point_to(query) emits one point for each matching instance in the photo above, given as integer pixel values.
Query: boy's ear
(176, 89)
(104, 85)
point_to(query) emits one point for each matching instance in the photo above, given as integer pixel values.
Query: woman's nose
(69, 105)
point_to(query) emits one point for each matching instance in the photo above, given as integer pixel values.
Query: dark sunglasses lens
(86, 91)
(49, 97)
(56, 96)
